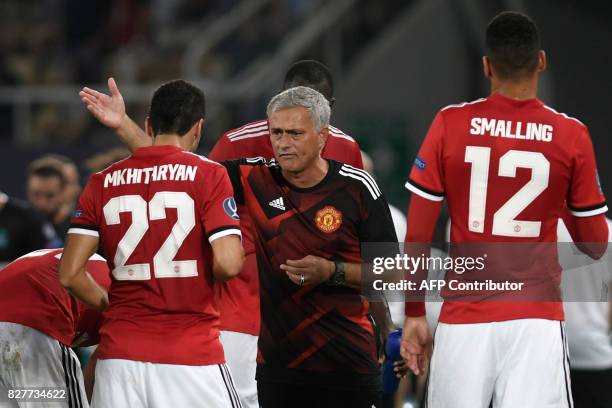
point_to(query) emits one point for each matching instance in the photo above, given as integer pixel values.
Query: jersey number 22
(163, 261)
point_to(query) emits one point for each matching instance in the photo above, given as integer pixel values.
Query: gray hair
(306, 97)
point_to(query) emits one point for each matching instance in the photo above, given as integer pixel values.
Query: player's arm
(426, 182)
(316, 270)
(228, 257)
(110, 111)
(220, 219)
(73, 273)
(590, 234)
(586, 205)
(416, 344)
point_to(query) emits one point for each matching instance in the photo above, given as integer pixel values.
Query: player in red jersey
(240, 318)
(253, 139)
(39, 322)
(510, 167)
(169, 224)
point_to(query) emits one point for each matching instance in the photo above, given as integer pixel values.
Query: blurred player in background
(22, 229)
(58, 207)
(167, 220)
(240, 320)
(72, 190)
(587, 322)
(508, 164)
(45, 191)
(40, 322)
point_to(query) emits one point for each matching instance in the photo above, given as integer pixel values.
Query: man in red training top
(39, 322)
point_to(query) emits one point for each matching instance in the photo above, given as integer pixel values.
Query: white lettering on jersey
(511, 130)
(170, 172)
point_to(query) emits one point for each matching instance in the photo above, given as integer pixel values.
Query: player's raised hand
(416, 344)
(109, 110)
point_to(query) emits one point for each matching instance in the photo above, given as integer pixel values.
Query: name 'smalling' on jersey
(511, 130)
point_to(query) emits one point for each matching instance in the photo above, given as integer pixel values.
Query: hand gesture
(416, 344)
(109, 110)
(310, 270)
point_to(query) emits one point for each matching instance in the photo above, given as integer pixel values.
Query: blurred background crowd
(395, 63)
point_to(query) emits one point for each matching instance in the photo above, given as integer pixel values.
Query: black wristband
(338, 278)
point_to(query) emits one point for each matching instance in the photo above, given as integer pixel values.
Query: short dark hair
(312, 74)
(512, 45)
(47, 167)
(175, 107)
(60, 158)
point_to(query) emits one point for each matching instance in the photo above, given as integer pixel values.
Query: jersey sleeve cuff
(415, 309)
(223, 232)
(589, 211)
(83, 230)
(424, 192)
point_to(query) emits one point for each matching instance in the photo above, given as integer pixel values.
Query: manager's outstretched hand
(109, 110)
(416, 344)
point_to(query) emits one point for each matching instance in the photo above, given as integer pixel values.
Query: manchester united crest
(328, 219)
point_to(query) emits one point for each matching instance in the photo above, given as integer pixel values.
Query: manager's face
(295, 141)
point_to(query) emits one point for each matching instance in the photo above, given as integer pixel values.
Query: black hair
(312, 74)
(176, 106)
(512, 45)
(47, 168)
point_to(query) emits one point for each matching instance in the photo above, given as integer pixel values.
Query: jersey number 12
(504, 220)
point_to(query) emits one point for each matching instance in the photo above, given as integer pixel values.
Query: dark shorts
(283, 395)
(592, 388)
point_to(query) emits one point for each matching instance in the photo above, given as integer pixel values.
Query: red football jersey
(31, 295)
(240, 305)
(508, 168)
(155, 213)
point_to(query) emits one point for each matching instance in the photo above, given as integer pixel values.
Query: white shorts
(137, 384)
(31, 359)
(241, 357)
(513, 364)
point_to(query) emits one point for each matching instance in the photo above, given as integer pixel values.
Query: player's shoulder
(339, 136)
(205, 168)
(198, 160)
(461, 107)
(250, 130)
(358, 178)
(257, 163)
(565, 119)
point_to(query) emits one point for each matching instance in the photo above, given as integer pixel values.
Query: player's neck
(308, 177)
(518, 90)
(169, 140)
